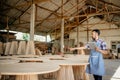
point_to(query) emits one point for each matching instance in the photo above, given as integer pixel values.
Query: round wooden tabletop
(28, 68)
(67, 59)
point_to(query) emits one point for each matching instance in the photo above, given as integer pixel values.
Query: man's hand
(71, 49)
(97, 49)
(101, 51)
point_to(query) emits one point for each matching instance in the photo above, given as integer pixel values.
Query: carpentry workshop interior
(59, 39)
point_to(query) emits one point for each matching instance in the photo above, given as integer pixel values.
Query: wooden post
(77, 36)
(7, 28)
(77, 24)
(62, 30)
(46, 37)
(7, 35)
(32, 22)
(78, 51)
(87, 30)
(62, 36)
(87, 35)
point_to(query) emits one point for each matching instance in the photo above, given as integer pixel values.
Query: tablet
(92, 45)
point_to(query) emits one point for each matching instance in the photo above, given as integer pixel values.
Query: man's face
(94, 35)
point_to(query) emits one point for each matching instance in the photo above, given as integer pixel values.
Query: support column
(46, 37)
(77, 36)
(62, 36)
(62, 29)
(7, 35)
(7, 28)
(87, 35)
(78, 26)
(87, 30)
(32, 22)
(78, 39)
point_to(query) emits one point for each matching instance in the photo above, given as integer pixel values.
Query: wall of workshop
(106, 35)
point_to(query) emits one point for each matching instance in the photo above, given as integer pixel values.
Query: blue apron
(96, 63)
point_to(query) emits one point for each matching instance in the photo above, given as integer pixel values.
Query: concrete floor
(111, 66)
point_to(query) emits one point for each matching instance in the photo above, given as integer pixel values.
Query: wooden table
(74, 70)
(8, 61)
(27, 71)
(116, 75)
(72, 67)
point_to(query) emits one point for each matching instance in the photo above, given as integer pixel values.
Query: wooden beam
(55, 13)
(5, 15)
(75, 6)
(56, 27)
(99, 10)
(99, 29)
(14, 8)
(113, 22)
(110, 4)
(28, 3)
(79, 23)
(90, 30)
(56, 5)
(10, 7)
(94, 14)
(17, 26)
(50, 14)
(19, 16)
(98, 22)
(74, 26)
(83, 15)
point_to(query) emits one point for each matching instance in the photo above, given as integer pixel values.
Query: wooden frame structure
(77, 10)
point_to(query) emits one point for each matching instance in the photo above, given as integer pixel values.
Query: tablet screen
(92, 45)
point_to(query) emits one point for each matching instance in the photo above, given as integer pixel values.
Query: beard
(93, 39)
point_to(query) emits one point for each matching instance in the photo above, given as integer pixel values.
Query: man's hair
(96, 30)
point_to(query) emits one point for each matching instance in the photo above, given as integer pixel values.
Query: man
(96, 63)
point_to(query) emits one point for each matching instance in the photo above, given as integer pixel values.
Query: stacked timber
(13, 48)
(7, 48)
(21, 48)
(30, 49)
(1, 48)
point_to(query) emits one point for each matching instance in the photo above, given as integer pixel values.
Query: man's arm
(101, 51)
(77, 48)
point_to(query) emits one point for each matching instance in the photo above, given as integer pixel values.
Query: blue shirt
(96, 63)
